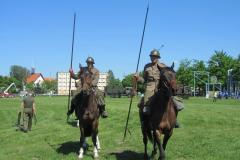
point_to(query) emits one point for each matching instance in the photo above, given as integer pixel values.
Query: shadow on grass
(128, 155)
(68, 147)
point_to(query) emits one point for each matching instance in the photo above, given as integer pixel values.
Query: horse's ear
(172, 66)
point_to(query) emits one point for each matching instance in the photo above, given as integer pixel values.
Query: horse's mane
(167, 68)
(162, 91)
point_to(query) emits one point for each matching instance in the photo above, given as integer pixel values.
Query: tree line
(218, 65)
(18, 75)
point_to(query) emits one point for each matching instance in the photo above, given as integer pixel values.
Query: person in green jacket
(28, 108)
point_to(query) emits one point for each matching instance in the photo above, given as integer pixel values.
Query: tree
(114, 86)
(236, 69)
(185, 73)
(127, 82)
(219, 64)
(6, 81)
(198, 65)
(50, 85)
(30, 86)
(112, 81)
(19, 72)
(38, 89)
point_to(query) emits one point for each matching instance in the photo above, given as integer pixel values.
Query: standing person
(28, 107)
(215, 96)
(78, 96)
(151, 78)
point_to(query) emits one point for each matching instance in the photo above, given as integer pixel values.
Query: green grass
(210, 131)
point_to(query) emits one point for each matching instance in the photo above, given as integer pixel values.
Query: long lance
(134, 85)
(69, 91)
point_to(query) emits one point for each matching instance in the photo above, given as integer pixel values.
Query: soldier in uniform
(151, 77)
(28, 107)
(99, 94)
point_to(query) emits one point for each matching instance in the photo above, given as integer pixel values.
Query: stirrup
(104, 114)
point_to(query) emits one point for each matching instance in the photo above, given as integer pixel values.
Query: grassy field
(210, 131)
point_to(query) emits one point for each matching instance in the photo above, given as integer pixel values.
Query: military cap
(90, 60)
(155, 52)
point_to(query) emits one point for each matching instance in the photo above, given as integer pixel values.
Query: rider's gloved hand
(71, 72)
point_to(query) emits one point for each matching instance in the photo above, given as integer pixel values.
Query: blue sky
(39, 32)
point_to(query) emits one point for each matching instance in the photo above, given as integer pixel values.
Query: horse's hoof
(80, 157)
(96, 157)
(81, 152)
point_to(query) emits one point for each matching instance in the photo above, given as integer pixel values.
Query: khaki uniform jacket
(151, 77)
(28, 104)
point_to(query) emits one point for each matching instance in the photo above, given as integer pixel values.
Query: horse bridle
(165, 80)
(89, 89)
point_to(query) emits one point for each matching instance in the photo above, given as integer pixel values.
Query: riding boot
(103, 112)
(177, 125)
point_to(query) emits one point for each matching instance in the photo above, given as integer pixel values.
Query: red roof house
(35, 78)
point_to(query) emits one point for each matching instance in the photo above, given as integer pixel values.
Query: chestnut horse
(87, 112)
(163, 114)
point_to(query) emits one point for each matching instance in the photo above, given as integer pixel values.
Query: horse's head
(86, 81)
(89, 105)
(168, 82)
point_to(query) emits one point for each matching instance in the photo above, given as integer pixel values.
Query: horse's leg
(85, 145)
(98, 144)
(82, 139)
(157, 137)
(145, 141)
(166, 138)
(94, 139)
(154, 152)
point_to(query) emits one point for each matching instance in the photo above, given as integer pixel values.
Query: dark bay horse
(87, 113)
(163, 114)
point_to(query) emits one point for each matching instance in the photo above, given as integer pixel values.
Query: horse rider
(99, 94)
(29, 109)
(151, 78)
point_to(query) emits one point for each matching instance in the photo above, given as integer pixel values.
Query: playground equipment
(211, 83)
(196, 75)
(6, 94)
